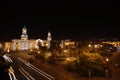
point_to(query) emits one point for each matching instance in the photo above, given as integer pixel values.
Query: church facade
(25, 44)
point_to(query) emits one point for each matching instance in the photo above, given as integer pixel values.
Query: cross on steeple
(24, 31)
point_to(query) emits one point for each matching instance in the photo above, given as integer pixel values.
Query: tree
(107, 50)
(86, 62)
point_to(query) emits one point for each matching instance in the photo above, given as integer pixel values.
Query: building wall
(18, 44)
(7, 46)
(115, 44)
(24, 43)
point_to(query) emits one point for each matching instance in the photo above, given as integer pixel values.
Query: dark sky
(75, 20)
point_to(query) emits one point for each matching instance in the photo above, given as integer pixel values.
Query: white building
(24, 43)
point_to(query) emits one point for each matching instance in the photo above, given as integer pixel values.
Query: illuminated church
(24, 43)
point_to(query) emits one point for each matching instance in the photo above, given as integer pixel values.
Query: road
(23, 70)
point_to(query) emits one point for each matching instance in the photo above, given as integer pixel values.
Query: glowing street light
(96, 46)
(65, 51)
(31, 50)
(106, 70)
(66, 43)
(38, 52)
(89, 45)
(68, 59)
(0, 45)
(107, 59)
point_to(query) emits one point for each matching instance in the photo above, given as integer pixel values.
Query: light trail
(49, 77)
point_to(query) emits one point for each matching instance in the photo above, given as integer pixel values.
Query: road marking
(7, 58)
(41, 71)
(26, 74)
(49, 77)
(11, 74)
(11, 70)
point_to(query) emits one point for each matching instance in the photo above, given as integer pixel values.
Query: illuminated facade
(24, 43)
(49, 38)
(115, 44)
(24, 39)
(7, 46)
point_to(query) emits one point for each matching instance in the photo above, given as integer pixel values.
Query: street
(25, 71)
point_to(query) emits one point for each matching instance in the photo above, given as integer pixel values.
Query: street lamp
(38, 52)
(107, 69)
(31, 50)
(107, 60)
(89, 45)
(95, 46)
(65, 51)
(67, 43)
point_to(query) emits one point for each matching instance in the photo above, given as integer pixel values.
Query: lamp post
(107, 61)
(107, 68)
(89, 73)
(89, 47)
(95, 46)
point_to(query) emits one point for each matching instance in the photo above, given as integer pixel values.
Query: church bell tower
(49, 38)
(24, 35)
(24, 39)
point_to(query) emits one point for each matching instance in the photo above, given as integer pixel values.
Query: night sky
(65, 20)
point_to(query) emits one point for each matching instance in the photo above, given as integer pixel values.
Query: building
(25, 44)
(7, 46)
(114, 43)
(49, 38)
